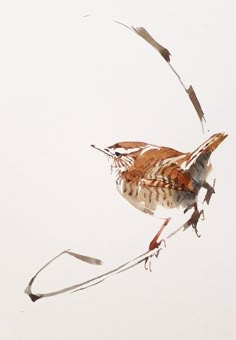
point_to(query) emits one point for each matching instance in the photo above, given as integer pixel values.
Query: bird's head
(122, 155)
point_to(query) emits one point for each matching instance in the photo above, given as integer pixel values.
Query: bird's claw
(210, 191)
(193, 221)
(148, 259)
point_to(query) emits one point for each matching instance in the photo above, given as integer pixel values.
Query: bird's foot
(210, 191)
(193, 221)
(148, 262)
(155, 244)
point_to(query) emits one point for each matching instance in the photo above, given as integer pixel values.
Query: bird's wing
(169, 176)
(161, 167)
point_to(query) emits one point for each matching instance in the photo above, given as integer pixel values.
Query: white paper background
(67, 82)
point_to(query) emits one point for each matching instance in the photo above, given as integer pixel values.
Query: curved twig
(97, 279)
(164, 52)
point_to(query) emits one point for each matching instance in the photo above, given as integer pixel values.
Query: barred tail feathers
(205, 148)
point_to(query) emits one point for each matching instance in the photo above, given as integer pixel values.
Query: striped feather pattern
(149, 176)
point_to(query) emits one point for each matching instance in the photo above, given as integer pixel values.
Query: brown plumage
(151, 177)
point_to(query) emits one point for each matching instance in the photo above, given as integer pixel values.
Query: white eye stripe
(124, 151)
(128, 151)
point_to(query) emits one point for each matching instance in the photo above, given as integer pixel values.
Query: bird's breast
(148, 199)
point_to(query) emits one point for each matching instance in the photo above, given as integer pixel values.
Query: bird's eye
(117, 153)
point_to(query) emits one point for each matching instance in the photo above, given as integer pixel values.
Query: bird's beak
(106, 151)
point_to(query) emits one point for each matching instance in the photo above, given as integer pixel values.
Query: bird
(152, 177)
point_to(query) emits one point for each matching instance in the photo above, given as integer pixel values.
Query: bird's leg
(193, 221)
(210, 191)
(155, 243)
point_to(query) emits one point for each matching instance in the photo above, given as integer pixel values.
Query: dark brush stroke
(98, 279)
(164, 52)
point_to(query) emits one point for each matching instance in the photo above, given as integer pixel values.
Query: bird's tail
(205, 149)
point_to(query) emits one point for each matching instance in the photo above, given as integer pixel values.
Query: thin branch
(89, 283)
(98, 279)
(164, 52)
(88, 259)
